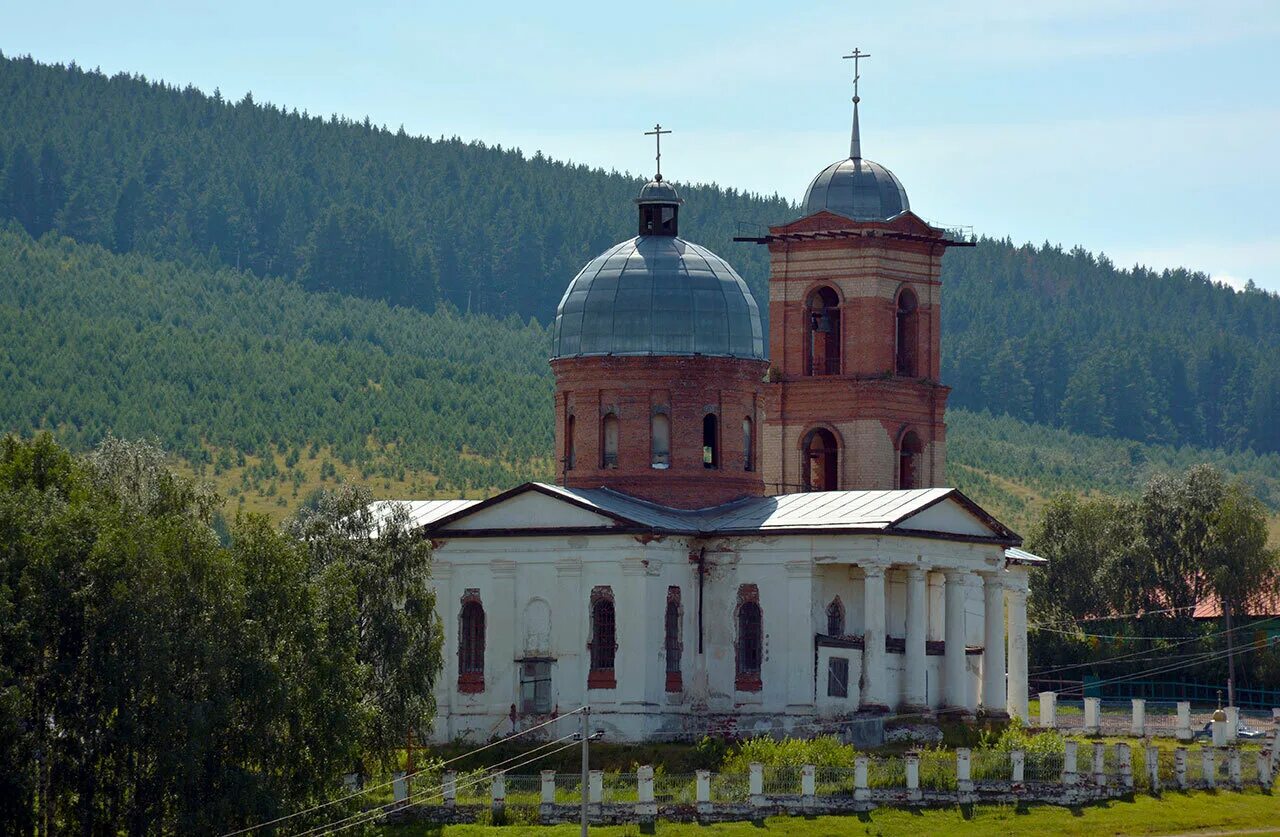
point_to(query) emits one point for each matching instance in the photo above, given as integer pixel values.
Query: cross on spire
(855, 141)
(657, 133)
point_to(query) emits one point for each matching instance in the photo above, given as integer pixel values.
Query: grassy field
(1173, 813)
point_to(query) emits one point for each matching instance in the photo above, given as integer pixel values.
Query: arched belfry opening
(910, 450)
(822, 328)
(821, 461)
(907, 335)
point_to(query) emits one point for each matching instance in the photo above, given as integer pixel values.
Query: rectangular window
(535, 687)
(838, 677)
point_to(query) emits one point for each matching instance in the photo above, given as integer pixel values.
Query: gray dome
(658, 191)
(858, 189)
(658, 295)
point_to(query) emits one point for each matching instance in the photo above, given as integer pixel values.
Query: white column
(631, 609)
(993, 673)
(1049, 710)
(500, 637)
(1017, 601)
(800, 649)
(953, 675)
(570, 672)
(913, 684)
(873, 696)
(447, 680)
(1139, 717)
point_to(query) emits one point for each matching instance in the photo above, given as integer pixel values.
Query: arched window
(673, 645)
(569, 451)
(821, 455)
(822, 346)
(835, 617)
(710, 441)
(471, 644)
(907, 334)
(909, 450)
(748, 444)
(750, 651)
(660, 441)
(609, 441)
(604, 642)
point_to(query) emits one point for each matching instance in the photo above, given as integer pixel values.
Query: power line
(1106, 660)
(364, 791)
(1203, 658)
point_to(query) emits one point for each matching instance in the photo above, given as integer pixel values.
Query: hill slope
(270, 390)
(1044, 335)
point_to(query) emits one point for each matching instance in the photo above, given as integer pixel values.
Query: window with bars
(535, 687)
(835, 618)
(750, 646)
(674, 647)
(604, 644)
(471, 643)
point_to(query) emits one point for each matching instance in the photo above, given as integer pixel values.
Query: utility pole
(586, 764)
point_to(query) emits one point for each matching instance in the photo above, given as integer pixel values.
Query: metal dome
(658, 295)
(658, 191)
(856, 188)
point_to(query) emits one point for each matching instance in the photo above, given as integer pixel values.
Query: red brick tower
(854, 322)
(658, 354)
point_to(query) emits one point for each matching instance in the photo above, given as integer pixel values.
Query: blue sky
(1148, 130)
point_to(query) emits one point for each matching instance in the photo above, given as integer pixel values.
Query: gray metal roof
(852, 511)
(856, 188)
(658, 295)
(420, 512)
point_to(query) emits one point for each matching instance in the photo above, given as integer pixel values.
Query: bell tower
(854, 396)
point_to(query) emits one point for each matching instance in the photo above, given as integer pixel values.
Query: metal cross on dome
(657, 133)
(857, 55)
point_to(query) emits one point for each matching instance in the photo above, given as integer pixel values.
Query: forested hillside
(270, 390)
(1056, 337)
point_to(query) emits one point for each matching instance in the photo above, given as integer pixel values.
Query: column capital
(502, 568)
(993, 578)
(634, 566)
(955, 574)
(800, 569)
(569, 566)
(873, 568)
(916, 572)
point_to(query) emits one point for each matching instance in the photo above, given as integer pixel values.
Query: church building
(738, 541)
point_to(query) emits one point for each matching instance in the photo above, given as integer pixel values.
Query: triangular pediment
(527, 508)
(953, 516)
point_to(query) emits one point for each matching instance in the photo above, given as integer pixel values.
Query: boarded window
(569, 442)
(748, 444)
(609, 441)
(838, 677)
(660, 441)
(908, 335)
(535, 687)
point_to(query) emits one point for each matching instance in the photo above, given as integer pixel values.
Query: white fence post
(595, 782)
(1017, 766)
(646, 808)
(1184, 720)
(1235, 769)
(1233, 723)
(808, 783)
(1069, 762)
(449, 790)
(1139, 717)
(1180, 767)
(704, 791)
(1124, 755)
(861, 790)
(1153, 768)
(1100, 764)
(1092, 715)
(1209, 766)
(498, 794)
(548, 787)
(351, 782)
(1049, 710)
(964, 776)
(755, 781)
(1264, 769)
(912, 761)
(399, 787)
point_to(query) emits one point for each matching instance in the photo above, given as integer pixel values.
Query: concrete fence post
(808, 782)
(1153, 768)
(498, 795)
(1264, 769)
(399, 786)
(964, 776)
(1209, 766)
(595, 784)
(351, 782)
(1184, 721)
(1100, 764)
(449, 788)
(1139, 717)
(756, 783)
(1180, 767)
(1092, 715)
(646, 808)
(1233, 724)
(861, 790)
(1069, 763)
(1018, 766)
(1124, 755)
(912, 762)
(1235, 769)
(548, 787)
(1275, 714)
(1049, 710)
(704, 791)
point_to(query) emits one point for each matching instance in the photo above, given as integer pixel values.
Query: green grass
(1174, 813)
